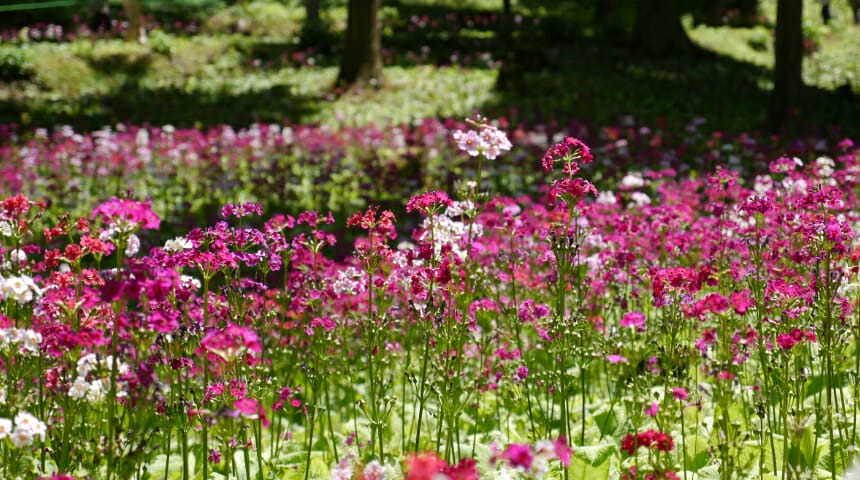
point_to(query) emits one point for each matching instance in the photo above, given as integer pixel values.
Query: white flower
(142, 138)
(86, 364)
(22, 438)
(30, 340)
(639, 199)
(189, 282)
(5, 228)
(763, 184)
(18, 256)
(443, 230)
(79, 389)
(825, 166)
(348, 281)
(632, 180)
(96, 391)
(606, 197)
(178, 244)
(343, 471)
(466, 207)
(27, 428)
(5, 428)
(795, 186)
(107, 235)
(20, 288)
(132, 246)
(374, 471)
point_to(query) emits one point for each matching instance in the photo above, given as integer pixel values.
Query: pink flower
(680, 393)
(426, 466)
(214, 456)
(614, 358)
(132, 212)
(232, 341)
(652, 409)
(243, 210)
(633, 319)
(562, 451)
(428, 202)
(741, 301)
(519, 456)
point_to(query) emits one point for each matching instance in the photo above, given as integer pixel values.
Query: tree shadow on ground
(171, 105)
(600, 85)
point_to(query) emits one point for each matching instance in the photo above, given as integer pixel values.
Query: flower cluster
(127, 214)
(534, 459)
(570, 152)
(93, 378)
(651, 439)
(428, 466)
(787, 341)
(25, 430)
(28, 339)
(487, 140)
(20, 288)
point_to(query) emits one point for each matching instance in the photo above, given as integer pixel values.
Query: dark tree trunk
(312, 11)
(658, 28)
(136, 31)
(510, 74)
(362, 54)
(788, 67)
(603, 11)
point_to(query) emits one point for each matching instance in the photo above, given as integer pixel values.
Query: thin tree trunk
(510, 73)
(136, 32)
(658, 29)
(362, 55)
(312, 11)
(788, 66)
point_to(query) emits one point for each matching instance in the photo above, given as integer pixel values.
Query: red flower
(425, 466)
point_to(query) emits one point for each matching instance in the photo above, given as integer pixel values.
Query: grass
(241, 78)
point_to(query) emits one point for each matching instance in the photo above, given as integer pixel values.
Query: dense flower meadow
(664, 325)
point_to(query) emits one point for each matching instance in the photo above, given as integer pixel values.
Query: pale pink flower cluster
(489, 141)
(26, 429)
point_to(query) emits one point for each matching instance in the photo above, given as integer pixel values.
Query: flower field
(439, 300)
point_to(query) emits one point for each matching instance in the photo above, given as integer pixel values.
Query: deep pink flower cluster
(242, 210)
(569, 189)
(524, 456)
(787, 341)
(651, 439)
(132, 212)
(428, 466)
(428, 202)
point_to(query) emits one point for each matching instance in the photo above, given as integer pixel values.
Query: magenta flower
(562, 451)
(232, 341)
(652, 409)
(519, 456)
(633, 319)
(615, 358)
(131, 212)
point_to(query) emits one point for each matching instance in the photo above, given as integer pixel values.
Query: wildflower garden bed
(511, 319)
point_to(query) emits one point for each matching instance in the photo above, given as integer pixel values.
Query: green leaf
(696, 453)
(592, 463)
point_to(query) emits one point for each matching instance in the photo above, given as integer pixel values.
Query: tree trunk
(658, 29)
(604, 10)
(788, 66)
(312, 11)
(136, 32)
(362, 56)
(510, 74)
